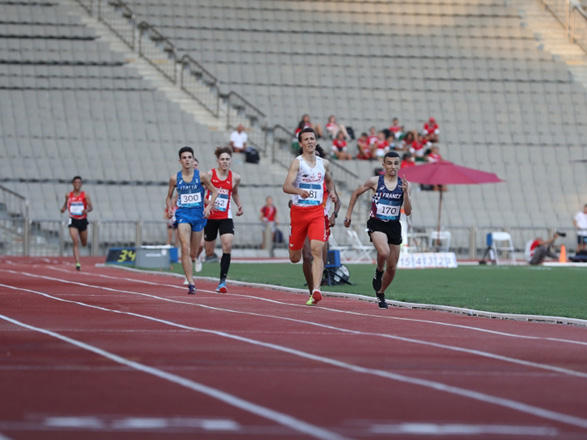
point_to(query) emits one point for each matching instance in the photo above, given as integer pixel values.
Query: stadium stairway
(554, 38)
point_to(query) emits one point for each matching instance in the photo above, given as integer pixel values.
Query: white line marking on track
(261, 411)
(438, 386)
(83, 422)
(474, 352)
(460, 429)
(349, 312)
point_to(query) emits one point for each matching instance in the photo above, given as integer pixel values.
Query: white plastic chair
(501, 242)
(439, 240)
(363, 252)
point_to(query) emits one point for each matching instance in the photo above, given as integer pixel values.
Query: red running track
(107, 353)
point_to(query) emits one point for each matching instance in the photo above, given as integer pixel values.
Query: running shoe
(377, 279)
(198, 265)
(314, 298)
(222, 287)
(186, 282)
(78, 267)
(191, 289)
(382, 302)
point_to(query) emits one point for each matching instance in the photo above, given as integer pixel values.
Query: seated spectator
(238, 139)
(407, 161)
(396, 129)
(305, 122)
(430, 131)
(339, 147)
(372, 137)
(365, 152)
(381, 145)
(333, 127)
(433, 154)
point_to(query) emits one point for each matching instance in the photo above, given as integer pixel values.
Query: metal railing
(193, 78)
(14, 222)
(200, 84)
(573, 17)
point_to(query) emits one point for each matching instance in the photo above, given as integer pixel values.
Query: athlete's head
(219, 150)
(186, 158)
(77, 182)
(319, 151)
(186, 150)
(307, 139)
(223, 157)
(391, 163)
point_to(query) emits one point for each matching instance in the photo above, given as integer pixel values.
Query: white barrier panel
(427, 260)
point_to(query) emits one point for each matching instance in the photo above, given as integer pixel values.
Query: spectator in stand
(396, 129)
(238, 139)
(407, 161)
(430, 130)
(306, 123)
(540, 249)
(339, 147)
(413, 144)
(381, 145)
(269, 218)
(372, 137)
(333, 128)
(580, 222)
(363, 147)
(433, 154)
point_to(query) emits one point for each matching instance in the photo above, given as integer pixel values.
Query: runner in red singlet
(78, 204)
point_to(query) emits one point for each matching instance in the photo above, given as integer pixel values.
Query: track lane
(485, 411)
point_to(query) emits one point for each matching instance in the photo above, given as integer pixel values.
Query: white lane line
(469, 351)
(261, 411)
(435, 429)
(76, 422)
(349, 312)
(438, 386)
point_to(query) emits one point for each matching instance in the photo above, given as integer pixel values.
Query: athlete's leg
(184, 232)
(226, 242)
(307, 265)
(316, 247)
(74, 234)
(391, 267)
(83, 235)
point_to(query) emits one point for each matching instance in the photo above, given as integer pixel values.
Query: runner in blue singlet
(390, 193)
(190, 213)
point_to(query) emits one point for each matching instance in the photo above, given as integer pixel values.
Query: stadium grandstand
(110, 90)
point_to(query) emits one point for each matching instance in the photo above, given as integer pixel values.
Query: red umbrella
(446, 173)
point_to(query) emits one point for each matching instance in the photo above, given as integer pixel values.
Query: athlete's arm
(407, 202)
(329, 182)
(235, 195)
(89, 206)
(169, 198)
(64, 207)
(288, 185)
(205, 179)
(332, 218)
(370, 183)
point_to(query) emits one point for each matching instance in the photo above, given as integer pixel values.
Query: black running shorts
(392, 229)
(79, 224)
(225, 226)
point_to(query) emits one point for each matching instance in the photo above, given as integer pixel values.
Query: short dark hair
(75, 178)
(186, 150)
(306, 130)
(390, 154)
(220, 150)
